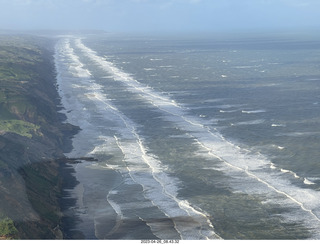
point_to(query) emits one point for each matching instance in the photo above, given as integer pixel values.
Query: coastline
(34, 170)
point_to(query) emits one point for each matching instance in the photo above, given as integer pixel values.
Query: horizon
(143, 16)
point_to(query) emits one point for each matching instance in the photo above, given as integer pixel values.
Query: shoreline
(34, 170)
(88, 214)
(67, 201)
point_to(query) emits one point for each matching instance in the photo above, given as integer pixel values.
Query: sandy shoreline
(84, 201)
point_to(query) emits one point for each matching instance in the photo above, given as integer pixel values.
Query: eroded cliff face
(33, 138)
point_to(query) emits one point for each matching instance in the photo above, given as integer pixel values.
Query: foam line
(158, 186)
(229, 153)
(118, 211)
(253, 111)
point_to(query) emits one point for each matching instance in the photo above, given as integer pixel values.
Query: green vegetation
(16, 60)
(17, 68)
(7, 229)
(19, 127)
(32, 138)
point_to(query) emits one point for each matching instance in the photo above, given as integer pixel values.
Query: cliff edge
(33, 139)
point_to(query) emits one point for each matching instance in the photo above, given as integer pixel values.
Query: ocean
(197, 137)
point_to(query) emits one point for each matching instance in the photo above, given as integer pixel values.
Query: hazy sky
(159, 15)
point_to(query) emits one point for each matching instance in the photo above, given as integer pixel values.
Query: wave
(247, 66)
(117, 209)
(251, 122)
(308, 182)
(278, 125)
(253, 111)
(223, 107)
(228, 111)
(290, 172)
(234, 160)
(157, 186)
(286, 171)
(299, 134)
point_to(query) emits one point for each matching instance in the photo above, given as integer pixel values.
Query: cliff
(33, 139)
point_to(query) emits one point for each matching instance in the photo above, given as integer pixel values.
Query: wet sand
(85, 203)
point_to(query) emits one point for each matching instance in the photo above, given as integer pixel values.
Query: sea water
(196, 137)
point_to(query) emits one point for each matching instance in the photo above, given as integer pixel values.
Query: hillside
(33, 138)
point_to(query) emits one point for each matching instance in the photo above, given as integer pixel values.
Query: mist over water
(195, 138)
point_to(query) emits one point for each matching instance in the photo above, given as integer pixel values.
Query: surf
(142, 167)
(235, 160)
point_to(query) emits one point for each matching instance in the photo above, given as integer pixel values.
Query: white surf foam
(228, 111)
(253, 111)
(308, 182)
(117, 209)
(299, 134)
(251, 122)
(278, 125)
(236, 160)
(144, 168)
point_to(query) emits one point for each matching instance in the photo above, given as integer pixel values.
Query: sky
(159, 15)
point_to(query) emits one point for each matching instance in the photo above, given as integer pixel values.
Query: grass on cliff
(20, 127)
(28, 108)
(19, 61)
(7, 229)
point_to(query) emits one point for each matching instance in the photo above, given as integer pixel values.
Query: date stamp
(159, 241)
